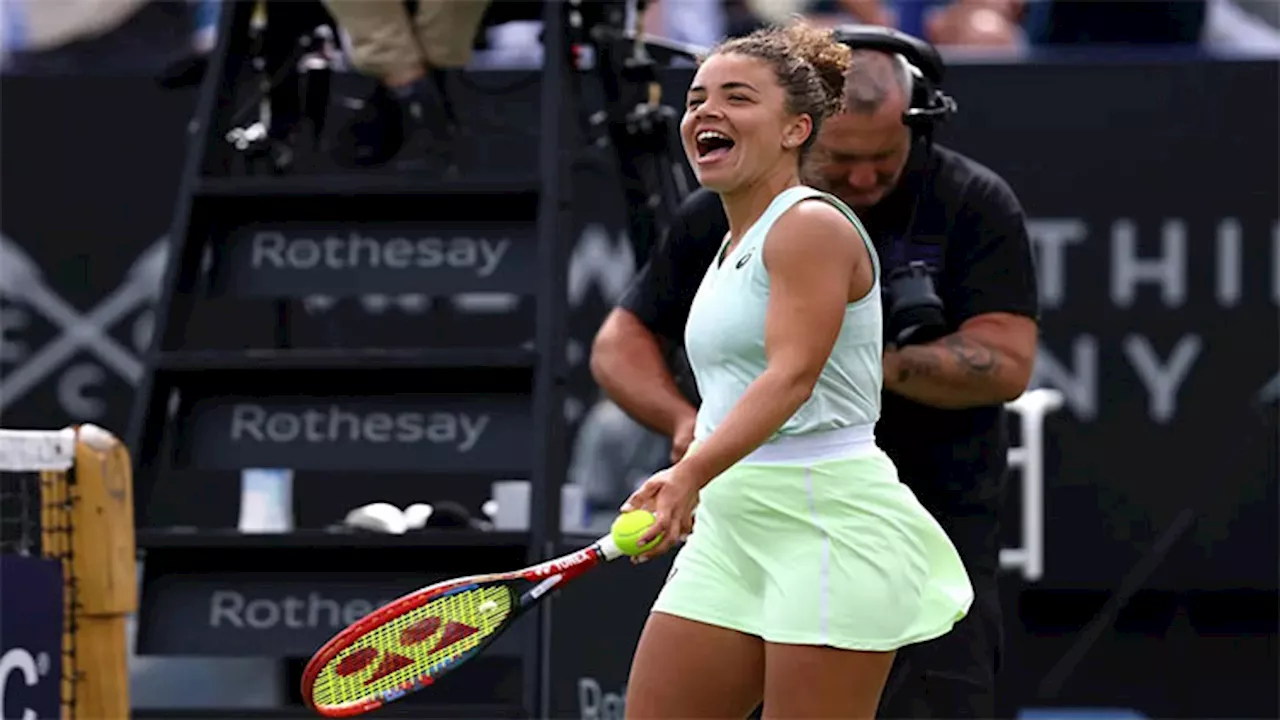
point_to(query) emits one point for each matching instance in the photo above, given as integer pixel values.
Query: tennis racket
(412, 642)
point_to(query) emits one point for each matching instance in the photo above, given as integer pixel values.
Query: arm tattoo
(917, 364)
(972, 356)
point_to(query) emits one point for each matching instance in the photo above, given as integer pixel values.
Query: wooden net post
(104, 568)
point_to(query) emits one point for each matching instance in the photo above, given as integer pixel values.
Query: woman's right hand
(671, 495)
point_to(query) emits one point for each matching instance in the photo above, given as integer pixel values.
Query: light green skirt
(833, 552)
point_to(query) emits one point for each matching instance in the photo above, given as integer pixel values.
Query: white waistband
(840, 444)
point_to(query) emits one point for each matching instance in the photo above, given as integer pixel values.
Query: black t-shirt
(954, 460)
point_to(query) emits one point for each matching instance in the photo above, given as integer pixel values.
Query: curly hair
(809, 63)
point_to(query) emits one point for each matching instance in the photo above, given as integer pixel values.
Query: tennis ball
(628, 529)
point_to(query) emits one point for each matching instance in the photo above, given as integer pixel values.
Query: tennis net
(68, 581)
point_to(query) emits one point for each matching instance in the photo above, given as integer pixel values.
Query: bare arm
(993, 294)
(627, 362)
(814, 258)
(988, 361)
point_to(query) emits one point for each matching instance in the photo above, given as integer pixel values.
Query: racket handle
(608, 548)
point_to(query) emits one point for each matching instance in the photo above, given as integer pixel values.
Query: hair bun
(828, 56)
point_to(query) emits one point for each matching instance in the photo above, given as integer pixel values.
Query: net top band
(34, 450)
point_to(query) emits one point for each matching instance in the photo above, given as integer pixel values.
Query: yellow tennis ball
(628, 529)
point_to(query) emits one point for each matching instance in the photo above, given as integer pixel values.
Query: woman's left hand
(671, 495)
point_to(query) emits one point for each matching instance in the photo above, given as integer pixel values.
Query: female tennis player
(810, 563)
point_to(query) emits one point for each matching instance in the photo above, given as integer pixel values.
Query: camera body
(914, 312)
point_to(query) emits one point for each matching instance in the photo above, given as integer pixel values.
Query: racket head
(407, 645)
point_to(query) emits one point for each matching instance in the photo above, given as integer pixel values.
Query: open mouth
(713, 145)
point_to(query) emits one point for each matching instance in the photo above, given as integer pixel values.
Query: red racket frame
(567, 567)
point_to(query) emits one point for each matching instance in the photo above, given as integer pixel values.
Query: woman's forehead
(733, 68)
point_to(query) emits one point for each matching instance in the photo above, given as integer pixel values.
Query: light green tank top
(724, 336)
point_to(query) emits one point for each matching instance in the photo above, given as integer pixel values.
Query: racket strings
(398, 655)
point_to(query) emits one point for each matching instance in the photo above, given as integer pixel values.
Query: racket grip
(608, 548)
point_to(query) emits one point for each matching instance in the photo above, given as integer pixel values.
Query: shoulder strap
(782, 203)
(788, 199)
(753, 241)
(862, 232)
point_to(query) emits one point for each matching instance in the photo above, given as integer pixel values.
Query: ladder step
(362, 185)
(343, 359)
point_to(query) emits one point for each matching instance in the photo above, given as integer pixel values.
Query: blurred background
(1143, 139)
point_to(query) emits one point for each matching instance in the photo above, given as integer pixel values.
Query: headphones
(929, 104)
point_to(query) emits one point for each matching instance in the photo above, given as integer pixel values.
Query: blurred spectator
(35, 25)
(702, 23)
(1012, 25)
(832, 12)
(93, 36)
(969, 23)
(406, 48)
(747, 15)
(612, 455)
(985, 24)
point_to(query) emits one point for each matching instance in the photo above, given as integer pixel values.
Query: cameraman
(954, 354)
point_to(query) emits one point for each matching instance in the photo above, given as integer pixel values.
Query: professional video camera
(913, 310)
(914, 313)
(643, 132)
